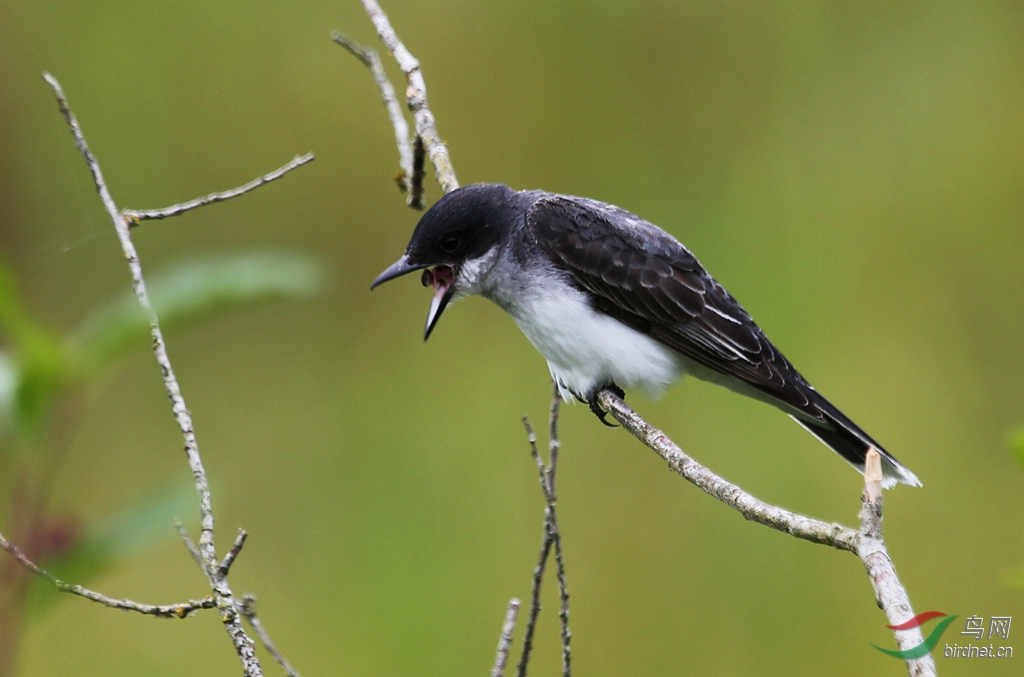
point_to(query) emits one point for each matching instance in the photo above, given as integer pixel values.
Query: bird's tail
(842, 436)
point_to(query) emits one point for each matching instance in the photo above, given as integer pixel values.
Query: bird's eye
(450, 244)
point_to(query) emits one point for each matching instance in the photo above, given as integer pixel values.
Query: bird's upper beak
(441, 278)
(397, 269)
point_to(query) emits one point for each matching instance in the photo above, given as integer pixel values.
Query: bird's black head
(462, 226)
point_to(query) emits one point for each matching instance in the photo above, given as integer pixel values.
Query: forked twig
(552, 537)
(867, 543)
(427, 141)
(180, 610)
(531, 620)
(406, 160)
(205, 552)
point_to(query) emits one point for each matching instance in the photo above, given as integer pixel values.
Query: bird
(611, 301)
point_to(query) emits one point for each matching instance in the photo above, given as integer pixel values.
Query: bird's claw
(601, 414)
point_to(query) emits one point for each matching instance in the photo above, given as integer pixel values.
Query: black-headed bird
(612, 301)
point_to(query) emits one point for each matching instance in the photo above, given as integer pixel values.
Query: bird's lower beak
(442, 278)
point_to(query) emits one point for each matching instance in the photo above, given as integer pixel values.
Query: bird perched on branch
(611, 301)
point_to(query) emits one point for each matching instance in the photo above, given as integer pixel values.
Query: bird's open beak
(441, 278)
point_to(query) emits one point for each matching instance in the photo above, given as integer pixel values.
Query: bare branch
(136, 217)
(867, 543)
(181, 610)
(556, 535)
(406, 161)
(229, 558)
(181, 413)
(419, 157)
(752, 508)
(505, 639)
(552, 537)
(224, 599)
(531, 621)
(563, 594)
(416, 97)
(191, 545)
(891, 595)
(247, 607)
(553, 444)
(531, 437)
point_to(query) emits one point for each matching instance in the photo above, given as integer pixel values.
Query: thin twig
(889, 591)
(229, 558)
(552, 537)
(531, 437)
(247, 607)
(538, 571)
(190, 544)
(419, 158)
(870, 548)
(181, 414)
(416, 97)
(563, 594)
(223, 596)
(752, 508)
(531, 620)
(553, 444)
(556, 535)
(505, 639)
(181, 610)
(136, 217)
(407, 176)
(867, 543)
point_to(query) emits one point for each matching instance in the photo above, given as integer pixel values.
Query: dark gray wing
(645, 278)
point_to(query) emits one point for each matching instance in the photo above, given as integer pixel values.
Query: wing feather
(645, 278)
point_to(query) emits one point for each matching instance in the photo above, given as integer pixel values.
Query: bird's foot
(595, 407)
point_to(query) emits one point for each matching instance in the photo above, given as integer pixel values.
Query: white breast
(586, 349)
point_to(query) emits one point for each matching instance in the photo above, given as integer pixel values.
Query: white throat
(475, 275)
(584, 348)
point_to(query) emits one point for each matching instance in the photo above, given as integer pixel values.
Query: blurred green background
(852, 172)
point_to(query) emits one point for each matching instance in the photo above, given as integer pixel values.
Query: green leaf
(194, 291)
(43, 370)
(33, 371)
